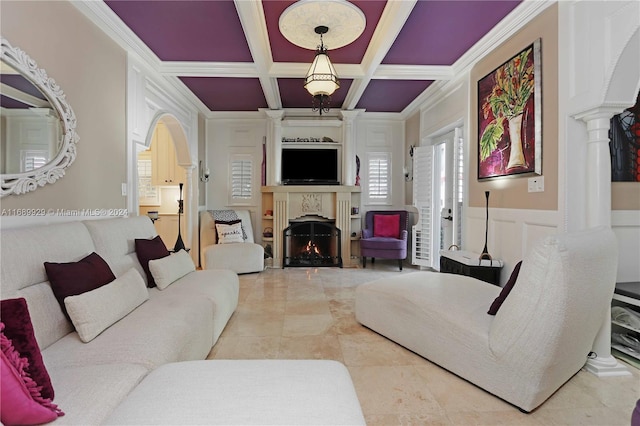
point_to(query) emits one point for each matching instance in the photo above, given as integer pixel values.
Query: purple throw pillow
(386, 225)
(73, 278)
(493, 309)
(14, 313)
(20, 398)
(147, 250)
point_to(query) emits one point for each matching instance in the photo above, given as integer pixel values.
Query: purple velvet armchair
(385, 236)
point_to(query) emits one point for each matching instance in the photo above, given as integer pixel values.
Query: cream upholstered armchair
(241, 257)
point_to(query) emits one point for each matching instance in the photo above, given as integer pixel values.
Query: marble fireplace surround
(293, 202)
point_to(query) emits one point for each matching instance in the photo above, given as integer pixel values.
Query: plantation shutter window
(379, 179)
(33, 159)
(241, 169)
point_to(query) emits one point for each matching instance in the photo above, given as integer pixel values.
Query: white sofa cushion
(243, 392)
(89, 394)
(24, 251)
(114, 240)
(168, 269)
(94, 311)
(240, 258)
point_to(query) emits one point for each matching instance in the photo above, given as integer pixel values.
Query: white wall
(376, 133)
(224, 137)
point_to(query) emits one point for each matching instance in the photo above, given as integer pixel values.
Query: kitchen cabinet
(166, 170)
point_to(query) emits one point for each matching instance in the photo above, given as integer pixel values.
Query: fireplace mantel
(291, 202)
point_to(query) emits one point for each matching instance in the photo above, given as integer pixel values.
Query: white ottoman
(246, 392)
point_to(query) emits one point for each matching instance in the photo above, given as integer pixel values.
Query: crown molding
(512, 23)
(110, 23)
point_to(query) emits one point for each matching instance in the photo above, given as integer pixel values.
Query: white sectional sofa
(166, 338)
(179, 323)
(541, 335)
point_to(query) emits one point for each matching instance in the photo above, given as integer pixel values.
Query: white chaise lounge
(541, 335)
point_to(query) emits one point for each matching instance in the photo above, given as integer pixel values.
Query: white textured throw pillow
(229, 233)
(168, 269)
(96, 310)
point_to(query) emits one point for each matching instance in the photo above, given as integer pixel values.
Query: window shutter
(241, 178)
(422, 195)
(33, 159)
(379, 179)
(458, 188)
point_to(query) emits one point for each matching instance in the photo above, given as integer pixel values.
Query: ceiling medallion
(299, 21)
(337, 22)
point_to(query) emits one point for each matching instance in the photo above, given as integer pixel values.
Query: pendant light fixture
(339, 23)
(321, 80)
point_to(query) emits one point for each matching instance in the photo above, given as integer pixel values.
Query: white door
(438, 196)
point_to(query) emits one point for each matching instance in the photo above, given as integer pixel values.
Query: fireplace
(312, 243)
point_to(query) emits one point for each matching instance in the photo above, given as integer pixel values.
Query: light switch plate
(536, 184)
(124, 189)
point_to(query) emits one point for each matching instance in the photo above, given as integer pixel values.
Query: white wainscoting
(626, 226)
(511, 233)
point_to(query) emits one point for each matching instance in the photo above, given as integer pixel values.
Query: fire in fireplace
(312, 243)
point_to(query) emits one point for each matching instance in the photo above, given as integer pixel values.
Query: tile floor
(307, 313)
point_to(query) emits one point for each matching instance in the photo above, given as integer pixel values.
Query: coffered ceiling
(232, 57)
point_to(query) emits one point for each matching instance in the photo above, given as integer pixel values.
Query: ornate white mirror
(38, 127)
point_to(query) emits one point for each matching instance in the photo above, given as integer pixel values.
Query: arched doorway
(163, 164)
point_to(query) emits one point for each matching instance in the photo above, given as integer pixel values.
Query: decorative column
(274, 145)
(343, 222)
(348, 147)
(598, 213)
(280, 222)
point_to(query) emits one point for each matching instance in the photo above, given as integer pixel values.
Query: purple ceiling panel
(227, 94)
(187, 30)
(19, 82)
(439, 32)
(283, 51)
(391, 95)
(294, 95)
(7, 102)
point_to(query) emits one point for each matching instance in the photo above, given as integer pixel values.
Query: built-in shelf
(267, 217)
(626, 295)
(267, 238)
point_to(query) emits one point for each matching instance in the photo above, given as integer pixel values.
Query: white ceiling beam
(413, 72)
(209, 69)
(299, 70)
(393, 18)
(254, 25)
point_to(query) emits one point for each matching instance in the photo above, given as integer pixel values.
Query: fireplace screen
(312, 244)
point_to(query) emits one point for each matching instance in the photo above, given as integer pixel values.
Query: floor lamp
(179, 243)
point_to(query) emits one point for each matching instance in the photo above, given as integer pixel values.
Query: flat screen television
(309, 166)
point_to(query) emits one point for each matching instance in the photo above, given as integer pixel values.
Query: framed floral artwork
(510, 117)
